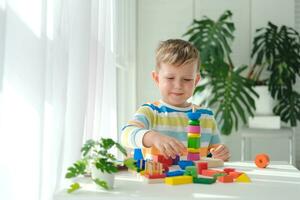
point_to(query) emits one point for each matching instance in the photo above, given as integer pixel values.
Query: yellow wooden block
(197, 135)
(192, 150)
(243, 178)
(177, 180)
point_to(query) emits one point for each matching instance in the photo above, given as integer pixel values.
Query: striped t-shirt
(169, 120)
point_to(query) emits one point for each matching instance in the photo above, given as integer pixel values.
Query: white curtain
(57, 89)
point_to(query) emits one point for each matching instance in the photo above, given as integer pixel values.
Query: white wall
(163, 19)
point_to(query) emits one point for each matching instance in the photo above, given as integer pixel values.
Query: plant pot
(265, 103)
(103, 176)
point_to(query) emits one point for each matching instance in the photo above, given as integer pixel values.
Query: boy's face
(176, 83)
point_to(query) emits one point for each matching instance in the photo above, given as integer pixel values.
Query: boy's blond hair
(176, 52)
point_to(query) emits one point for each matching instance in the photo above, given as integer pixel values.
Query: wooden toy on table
(194, 135)
(262, 160)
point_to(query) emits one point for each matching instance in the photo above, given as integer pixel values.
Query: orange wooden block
(152, 151)
(262, 160)
(235, 174)
(225, 179)
(210, 172)
(228, 170)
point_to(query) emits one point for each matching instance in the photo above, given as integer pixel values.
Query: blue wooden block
(138, 155)
(193, 115)
(184, 163)
(175, 173)
(140, 164)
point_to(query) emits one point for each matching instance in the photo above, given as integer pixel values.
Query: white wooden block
(213, 162)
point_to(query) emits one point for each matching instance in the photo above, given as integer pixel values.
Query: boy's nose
(178, 84)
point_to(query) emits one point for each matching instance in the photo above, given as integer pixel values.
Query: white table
(278, 181)
(284, 132)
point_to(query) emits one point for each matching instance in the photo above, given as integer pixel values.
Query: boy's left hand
(221, 152)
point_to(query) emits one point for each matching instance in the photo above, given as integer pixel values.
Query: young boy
(162, 124)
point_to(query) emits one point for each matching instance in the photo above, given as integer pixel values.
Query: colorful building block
(193, 156)
(193, 129)
(204, 180)
(210, 172)
(235, 174)
(155, 176)
(194, 122)
(194, 142)
(194, 115)
(138, 155)
(213, 162)
(201, 165)
(175, 160)
(191, 171)
(178, 180)
(243, 178)
(262, 160)
(225, 179)
(228, 170)
(162, 159)
(184, 163)
(175, 173)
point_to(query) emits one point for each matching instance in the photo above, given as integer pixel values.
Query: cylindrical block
(193, 156)
(193, 129)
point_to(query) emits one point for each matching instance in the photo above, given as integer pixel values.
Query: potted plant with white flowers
(98, 163)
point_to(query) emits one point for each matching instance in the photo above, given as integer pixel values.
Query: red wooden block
(225, 179)
(155, 176)
(235, 174)
(210, 172)
(165, 167)
(228, 170)
(162, 159)
(201, 166)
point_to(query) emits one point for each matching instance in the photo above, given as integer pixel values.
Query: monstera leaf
(277, 50)
(231, 94)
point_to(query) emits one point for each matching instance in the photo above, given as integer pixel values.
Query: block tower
(194, 136)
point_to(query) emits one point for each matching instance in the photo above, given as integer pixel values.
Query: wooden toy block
(201, 165)
(194, 142)
(191, 171)
(243, 178)
(138, 155)
(194, 135)
(204, 180)
(155, 176)
(235, 174)
(219, 174)
(228, 170)
(210, 172)
(262, 160)
(162, 159)
(152, 181)
(175, 160)
(152, 167)
(193, 156)
(140, 164)
(165, 168)
(175, 173)
(194, 122)
(184, 163)
(225, 179)
(193, 129)
(213, 162)
(177, 180)
(194, 115)
(193, 150)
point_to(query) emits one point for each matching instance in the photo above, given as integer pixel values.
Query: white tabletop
(278, 181)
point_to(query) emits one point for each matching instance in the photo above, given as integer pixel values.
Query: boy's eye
(186, 79)
(170, 78)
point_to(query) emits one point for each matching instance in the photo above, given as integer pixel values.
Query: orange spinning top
(262, 160)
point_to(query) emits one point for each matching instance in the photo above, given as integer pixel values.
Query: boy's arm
(137, 133)
(134, 131)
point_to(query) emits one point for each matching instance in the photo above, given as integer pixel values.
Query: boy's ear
(155, 77)
(198, 77)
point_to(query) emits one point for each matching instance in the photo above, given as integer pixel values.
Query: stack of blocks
(194, 136)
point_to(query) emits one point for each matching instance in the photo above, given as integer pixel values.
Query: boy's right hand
(168, 146)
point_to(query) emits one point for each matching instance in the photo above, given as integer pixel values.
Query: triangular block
(243, 178)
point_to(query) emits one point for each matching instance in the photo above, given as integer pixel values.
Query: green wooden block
(219, 174)
(194, 122)
(191, 171)
(204, 180)
(194, 142)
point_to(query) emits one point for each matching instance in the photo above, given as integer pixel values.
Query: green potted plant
(276, 50)
(98, 163)
(230, 94)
